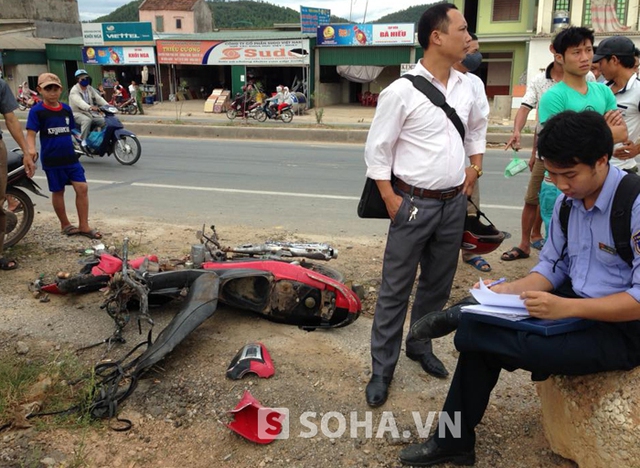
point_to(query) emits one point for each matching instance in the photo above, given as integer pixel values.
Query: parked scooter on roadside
(26, 97)
(268, 112)
(18, 206)
(111, 139)
(128, 106)
(244, 107)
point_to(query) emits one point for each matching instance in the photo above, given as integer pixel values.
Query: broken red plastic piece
(253, 357)
(110, 264)
(255, 422)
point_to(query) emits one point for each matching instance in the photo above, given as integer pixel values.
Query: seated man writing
(602, 286)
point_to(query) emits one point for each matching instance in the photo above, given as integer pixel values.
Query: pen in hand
(496, 282)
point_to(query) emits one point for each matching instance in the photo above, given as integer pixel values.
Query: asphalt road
(308, 188)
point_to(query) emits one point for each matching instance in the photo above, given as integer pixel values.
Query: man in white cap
(617, 58)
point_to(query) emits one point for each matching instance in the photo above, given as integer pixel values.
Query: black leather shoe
(429, 454)
(377, 390)
(436, 324)
(430, 364)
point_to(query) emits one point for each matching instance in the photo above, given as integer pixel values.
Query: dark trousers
(487, 349)
(432, 240)
(3, 188)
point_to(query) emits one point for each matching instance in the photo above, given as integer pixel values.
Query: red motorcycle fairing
(301, 298)
(253, 357)
(246, 417)
(345, 299)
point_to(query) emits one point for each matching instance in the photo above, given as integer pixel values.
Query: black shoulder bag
(371, 204)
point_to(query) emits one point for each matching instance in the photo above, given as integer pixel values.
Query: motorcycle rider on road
(83, 99)
(287, 100)
(275, 101)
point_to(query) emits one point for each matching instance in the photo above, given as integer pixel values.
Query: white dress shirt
(628, 99)
(414, 138)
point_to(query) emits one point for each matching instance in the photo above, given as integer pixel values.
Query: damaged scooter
(277, 290)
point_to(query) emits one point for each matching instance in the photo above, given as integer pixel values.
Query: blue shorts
(58, 177)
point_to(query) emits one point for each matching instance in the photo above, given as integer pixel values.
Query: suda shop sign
(281, 52)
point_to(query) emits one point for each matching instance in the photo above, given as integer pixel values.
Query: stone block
(593, 420)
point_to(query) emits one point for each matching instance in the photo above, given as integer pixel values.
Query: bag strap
(437, 98)
(626, 194)
(620, 218)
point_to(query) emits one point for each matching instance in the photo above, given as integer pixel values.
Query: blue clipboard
(533, 325)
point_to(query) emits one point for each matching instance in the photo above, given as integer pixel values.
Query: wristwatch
(477, 169)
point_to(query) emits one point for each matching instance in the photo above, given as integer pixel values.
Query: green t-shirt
(599, 98)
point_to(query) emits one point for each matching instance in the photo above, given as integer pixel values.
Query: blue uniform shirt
(591, 263)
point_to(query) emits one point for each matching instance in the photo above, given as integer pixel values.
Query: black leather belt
(446, 194)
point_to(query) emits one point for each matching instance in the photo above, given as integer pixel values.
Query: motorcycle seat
(14, 160)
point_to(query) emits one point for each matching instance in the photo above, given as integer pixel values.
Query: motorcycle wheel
(19, 216)
(261, 115)
(127, 150)
(325, 270)
(231, 114)
(131, 109)
(22, 107)
(287, 115)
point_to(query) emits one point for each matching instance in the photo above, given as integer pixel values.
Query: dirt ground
(179, 410)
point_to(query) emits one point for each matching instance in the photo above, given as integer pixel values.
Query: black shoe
(430, 364)
(377, 390)
(429, 454)
(436, 324)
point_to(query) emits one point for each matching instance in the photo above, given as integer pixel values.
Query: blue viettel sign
(127, 32)
(99, 34)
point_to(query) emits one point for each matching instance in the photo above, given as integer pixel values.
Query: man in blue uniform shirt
(580, 275)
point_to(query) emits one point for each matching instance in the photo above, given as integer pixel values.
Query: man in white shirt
(413, 139)
(616, 57)
(471, 63)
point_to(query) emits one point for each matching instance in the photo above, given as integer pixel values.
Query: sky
(91, 9)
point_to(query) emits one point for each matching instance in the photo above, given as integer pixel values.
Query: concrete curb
(295, 134)
(250, 132)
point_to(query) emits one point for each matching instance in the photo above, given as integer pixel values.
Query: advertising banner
(117, 33)
(311, 18)
(118, 55)
(183, 52)
(287, 52)
(365, 34)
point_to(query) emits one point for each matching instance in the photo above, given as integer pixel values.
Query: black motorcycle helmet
(479, 238)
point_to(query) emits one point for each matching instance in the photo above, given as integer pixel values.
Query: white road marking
(248, 192)
(257, 192)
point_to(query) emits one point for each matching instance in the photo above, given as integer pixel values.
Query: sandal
(537, 244)
(479, 264)
(71, 230)
(7, 264)
(93, 234)
(515, 253)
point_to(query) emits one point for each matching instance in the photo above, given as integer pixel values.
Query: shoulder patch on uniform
(636, 242)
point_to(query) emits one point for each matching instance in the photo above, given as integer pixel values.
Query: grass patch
(45, 384)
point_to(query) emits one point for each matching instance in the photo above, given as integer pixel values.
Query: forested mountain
(226, 14)
(126, 13)
(410, 15)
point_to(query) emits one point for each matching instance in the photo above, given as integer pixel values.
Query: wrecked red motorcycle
(281, 291)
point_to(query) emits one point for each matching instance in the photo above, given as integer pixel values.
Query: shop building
(193, 65)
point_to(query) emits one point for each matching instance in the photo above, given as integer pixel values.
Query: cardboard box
(212, 104)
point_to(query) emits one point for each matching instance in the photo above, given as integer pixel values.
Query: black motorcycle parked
(18, 206)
